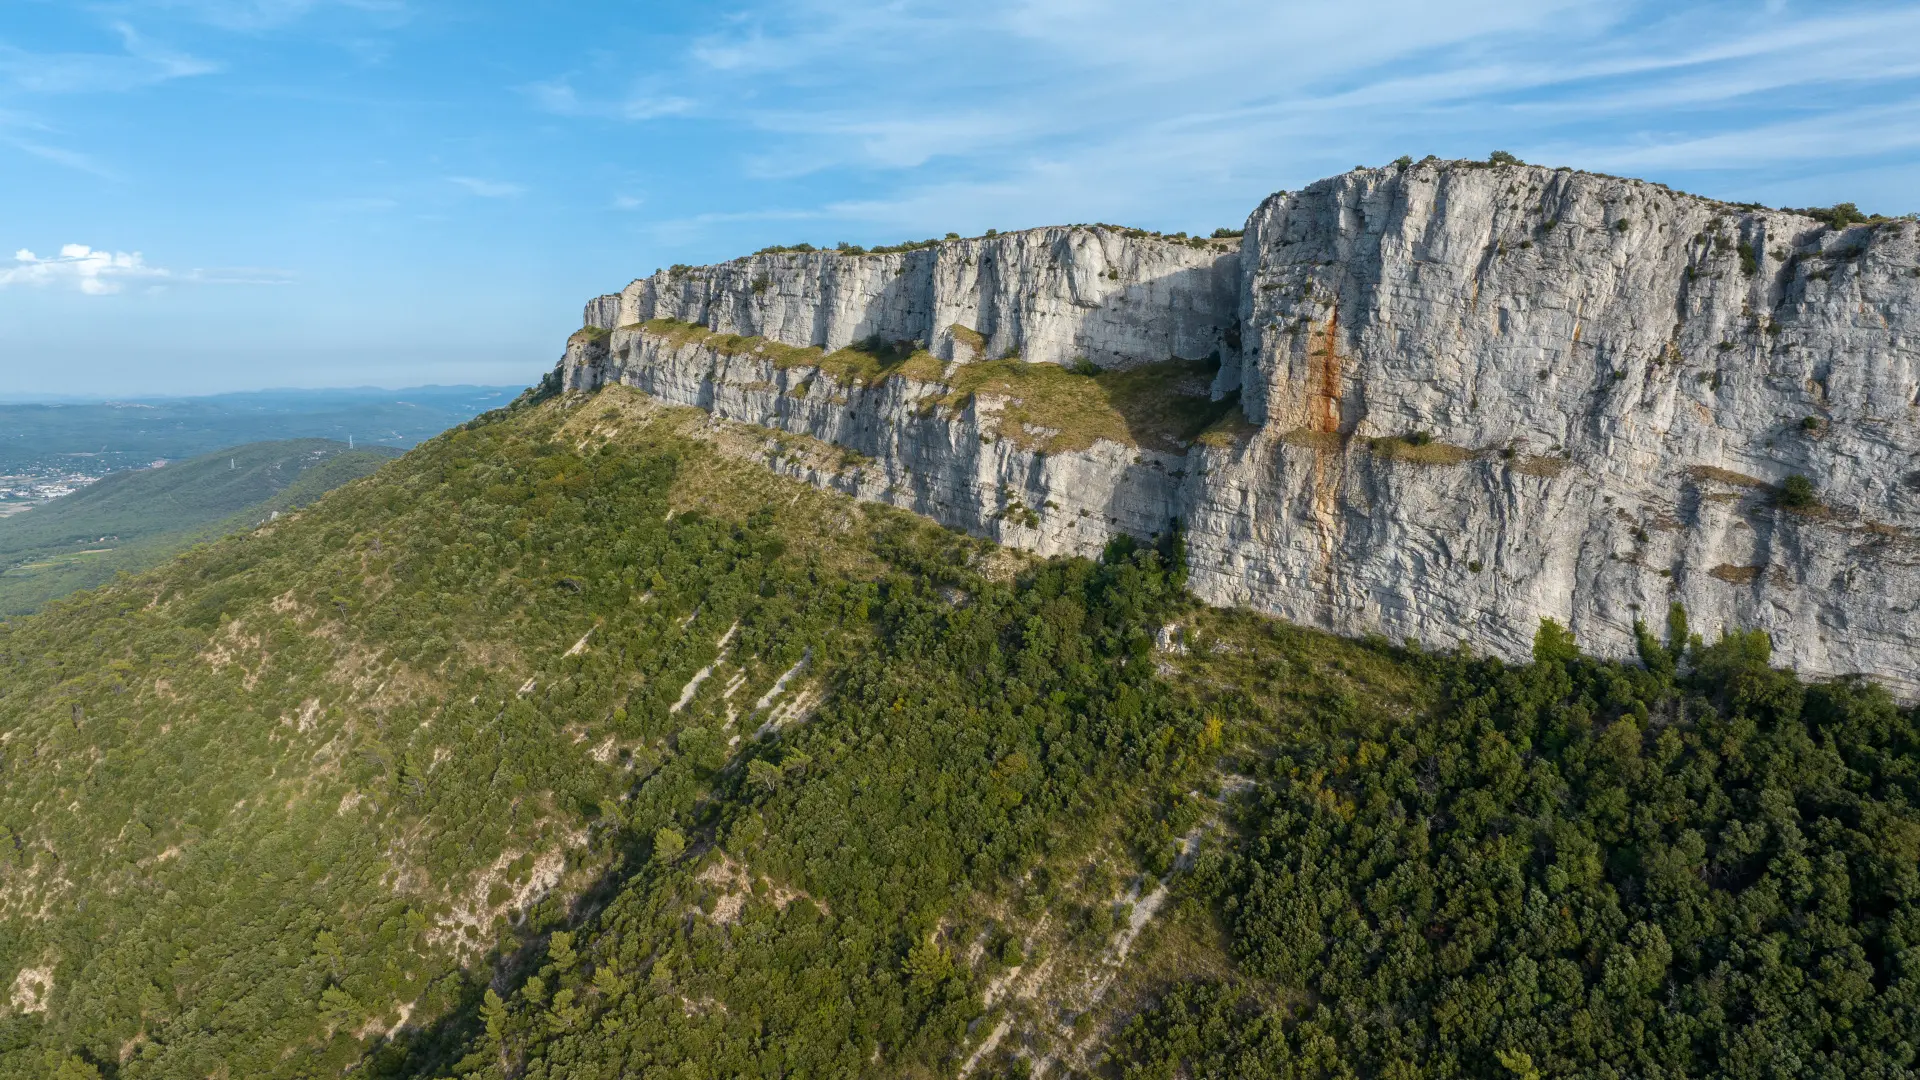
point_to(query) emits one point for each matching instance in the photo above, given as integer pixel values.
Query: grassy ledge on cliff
(578, 744)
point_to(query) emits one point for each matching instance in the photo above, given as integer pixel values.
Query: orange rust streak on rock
(1329, 465)
(1323, 373)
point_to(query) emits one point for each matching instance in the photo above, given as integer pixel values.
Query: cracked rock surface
(1473, 396)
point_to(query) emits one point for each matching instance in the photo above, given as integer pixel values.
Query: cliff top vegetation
(1046, 407)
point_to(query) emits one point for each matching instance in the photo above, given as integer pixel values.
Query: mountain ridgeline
(1438, 400)
(637, 729)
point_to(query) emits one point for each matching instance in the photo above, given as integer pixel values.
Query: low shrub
(1796, 492)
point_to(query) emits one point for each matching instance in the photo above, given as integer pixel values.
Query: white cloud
(1024, 111)
(96, 273)
(102, 273)
(488, 189)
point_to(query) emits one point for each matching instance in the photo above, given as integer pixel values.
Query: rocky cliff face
(1472, 397)
(909, 443)
(1055, 295)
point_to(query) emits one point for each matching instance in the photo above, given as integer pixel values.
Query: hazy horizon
(137, 397)
(240, 193)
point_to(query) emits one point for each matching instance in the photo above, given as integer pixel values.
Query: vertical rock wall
(1613, 377)
(1052, 295)
(1475, 397)
(911, 447)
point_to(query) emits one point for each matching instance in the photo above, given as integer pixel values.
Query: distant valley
(92, 489)
(50, 448)
(138, 518)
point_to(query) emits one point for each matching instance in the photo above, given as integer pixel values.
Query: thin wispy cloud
(142, 63)
(254, 16)
(559, 97)
(72, 159)
(166, 62)
(26, 75)
(472, 135)
(1889, 128)
(488, 189)
(1006, 107)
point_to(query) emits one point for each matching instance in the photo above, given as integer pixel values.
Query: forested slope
(577, 744)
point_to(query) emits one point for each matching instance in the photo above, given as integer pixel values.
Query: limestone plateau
(1448, 399)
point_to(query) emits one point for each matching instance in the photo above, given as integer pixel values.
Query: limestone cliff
(1112, 296)
(1469, 397)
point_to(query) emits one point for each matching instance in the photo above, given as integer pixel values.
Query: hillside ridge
(133, 519)
(1449, 399)
(578, 743)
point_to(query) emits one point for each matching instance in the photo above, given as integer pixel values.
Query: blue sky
(255, 193)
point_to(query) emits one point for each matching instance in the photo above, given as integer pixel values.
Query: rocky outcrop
(1473, 397)
(910, 442)
(1055, 295)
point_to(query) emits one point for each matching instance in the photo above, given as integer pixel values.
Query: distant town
(25, 490)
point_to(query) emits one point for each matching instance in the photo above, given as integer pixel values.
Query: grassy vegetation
(1726, 476)
(1046, 407)
(1231, 428)
(1419, 448)
(576, 744)
(862, 364)
(449, 711)
(1842, 215)
(844, 248)
(1160, 406)
(135, 519)
(970, 339)
(327, 780)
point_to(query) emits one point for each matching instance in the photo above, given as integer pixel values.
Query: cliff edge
(1437, 401)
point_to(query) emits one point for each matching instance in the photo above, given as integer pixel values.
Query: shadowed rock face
(1475, 397)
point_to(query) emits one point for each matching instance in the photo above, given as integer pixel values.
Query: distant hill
(95, 437)
(134, 519)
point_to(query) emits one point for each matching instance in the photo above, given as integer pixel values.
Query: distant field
(135, 519)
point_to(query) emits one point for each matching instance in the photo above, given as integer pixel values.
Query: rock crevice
(1468, 397)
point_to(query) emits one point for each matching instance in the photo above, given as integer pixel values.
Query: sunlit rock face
(1054, 295)
(1474, 396)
